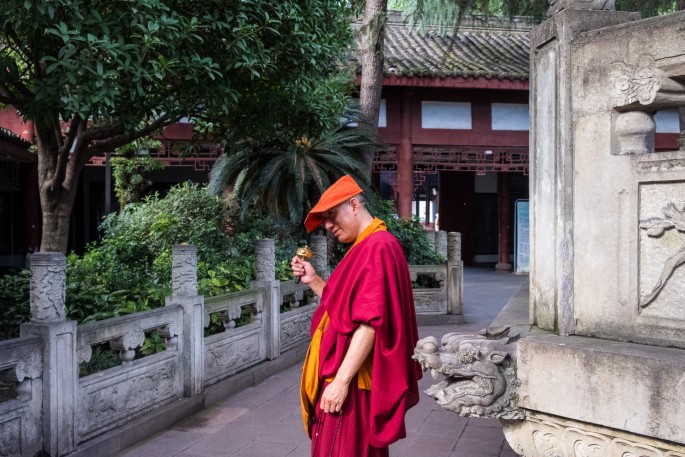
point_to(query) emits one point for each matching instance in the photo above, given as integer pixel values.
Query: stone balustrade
(55, 411)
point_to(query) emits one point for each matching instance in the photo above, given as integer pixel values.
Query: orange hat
(341, 190)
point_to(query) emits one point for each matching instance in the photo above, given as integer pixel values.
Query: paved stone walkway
(264, 420)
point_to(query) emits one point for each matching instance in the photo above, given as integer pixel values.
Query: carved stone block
(479, 369)
(127, 393)
(48, 287)
(226, 356)
(184, 270)
(265, 264)
(541, 435)
(662, 250)
(295, 327)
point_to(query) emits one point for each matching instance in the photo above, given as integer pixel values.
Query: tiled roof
(10, 135)
(491, 50)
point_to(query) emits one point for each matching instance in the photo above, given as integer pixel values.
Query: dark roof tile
(495, 49)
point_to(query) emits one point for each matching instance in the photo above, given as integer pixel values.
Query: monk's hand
(334, 397)
(303, 269)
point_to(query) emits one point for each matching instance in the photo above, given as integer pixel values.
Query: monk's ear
(354, 203)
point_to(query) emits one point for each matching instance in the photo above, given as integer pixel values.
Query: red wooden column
(503, 180)
(405, 159)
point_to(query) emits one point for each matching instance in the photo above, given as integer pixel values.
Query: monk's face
(342, 222)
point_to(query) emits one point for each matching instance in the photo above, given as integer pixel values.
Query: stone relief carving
(184, 270)
(84, 353)
(660, 166)
(547, 444)
(265, 254)
(227, 316)
(29, 368)
(427, 302)
(545, 437)
(674, 217)
(454, 247)
(556, 6)
(635, 83)
(295, 330)
(649, 82)
(479, 369)
(104, 406)
(48, 287)
(226, 359)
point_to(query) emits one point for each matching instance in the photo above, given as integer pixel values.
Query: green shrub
(14, 303)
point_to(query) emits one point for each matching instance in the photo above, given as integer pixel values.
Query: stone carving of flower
(655, 227)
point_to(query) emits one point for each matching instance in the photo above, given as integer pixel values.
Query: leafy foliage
(286, 176)
(446, 16)
(410, 234)
(14, 303)
(94, 76)
(131, 168)
(648, 8)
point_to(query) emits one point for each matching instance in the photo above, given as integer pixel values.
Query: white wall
(510, 116)
(445, 115)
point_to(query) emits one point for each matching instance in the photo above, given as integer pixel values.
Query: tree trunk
(371, 36)
(56, 197)
(56, 219)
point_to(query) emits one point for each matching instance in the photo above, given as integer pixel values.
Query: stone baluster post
(441, 243)
(60, 359)
(320, 257)
(455, 274)
(265, 254)
(430, 236)
(184, 293)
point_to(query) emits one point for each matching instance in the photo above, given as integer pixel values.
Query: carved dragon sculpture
(479, 369)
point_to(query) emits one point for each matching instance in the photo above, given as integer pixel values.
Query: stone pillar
(184, 293)
(503, 263)
(454, 247)
(441, 243)
(405, 160)
(320, 257)
(430, 236)
(455, 274)
(552, 162)
(265, 263)
(60, 360)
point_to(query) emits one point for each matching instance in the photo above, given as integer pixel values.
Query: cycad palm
(286, 178)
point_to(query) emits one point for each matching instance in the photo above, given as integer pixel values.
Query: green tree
(286, 175)
(95, 75)
(371, 43)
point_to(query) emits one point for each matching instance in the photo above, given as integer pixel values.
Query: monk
(358, 379)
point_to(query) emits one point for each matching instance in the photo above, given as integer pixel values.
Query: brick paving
(264, 420)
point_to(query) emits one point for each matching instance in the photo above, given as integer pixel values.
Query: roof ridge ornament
(556, 6)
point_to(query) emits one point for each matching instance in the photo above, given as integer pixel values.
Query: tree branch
(125, 138)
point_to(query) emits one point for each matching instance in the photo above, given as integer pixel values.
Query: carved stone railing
(447, 298)
(238, 348)
(430, 300)
(21, 421)
(116, 396)
(295, 322)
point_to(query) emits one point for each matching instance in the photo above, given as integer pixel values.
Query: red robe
(371, 285)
